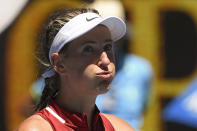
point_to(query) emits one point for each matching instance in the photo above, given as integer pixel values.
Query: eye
(108, 47)
(88, 49)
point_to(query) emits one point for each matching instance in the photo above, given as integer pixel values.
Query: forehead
(99, 34)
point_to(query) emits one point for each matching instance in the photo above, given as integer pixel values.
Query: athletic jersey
(62, 120)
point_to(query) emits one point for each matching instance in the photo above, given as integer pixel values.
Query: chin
(102, 85)
(103, 88)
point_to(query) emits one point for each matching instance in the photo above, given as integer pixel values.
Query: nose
(104, 61)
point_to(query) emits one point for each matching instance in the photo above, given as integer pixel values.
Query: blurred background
(160, 71)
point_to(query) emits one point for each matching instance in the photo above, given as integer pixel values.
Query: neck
(73, 101)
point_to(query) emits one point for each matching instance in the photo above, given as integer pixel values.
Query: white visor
(80, 25)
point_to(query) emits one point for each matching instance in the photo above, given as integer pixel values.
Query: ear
(58, 64)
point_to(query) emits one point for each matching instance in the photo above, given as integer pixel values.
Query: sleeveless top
(62, 120)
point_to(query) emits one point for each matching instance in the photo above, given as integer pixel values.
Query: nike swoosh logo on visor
(89, 19)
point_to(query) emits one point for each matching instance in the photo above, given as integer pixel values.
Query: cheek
(73, 68)
(79, 69)
(90, 71)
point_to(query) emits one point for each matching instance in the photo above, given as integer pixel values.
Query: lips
(104, 74)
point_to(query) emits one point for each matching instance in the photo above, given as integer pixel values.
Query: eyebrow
(108, 40)
(93, 42)
(89, 42)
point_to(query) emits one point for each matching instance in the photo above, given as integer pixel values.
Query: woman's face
(89, 62)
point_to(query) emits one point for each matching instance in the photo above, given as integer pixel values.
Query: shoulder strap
(106, 123)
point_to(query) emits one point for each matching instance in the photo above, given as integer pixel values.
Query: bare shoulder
(34, 123)
(118, 123)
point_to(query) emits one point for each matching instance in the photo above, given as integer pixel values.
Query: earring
(57, 93)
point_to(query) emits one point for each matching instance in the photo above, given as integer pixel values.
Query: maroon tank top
(61, 120)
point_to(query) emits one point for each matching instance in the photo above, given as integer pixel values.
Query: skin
(85, 71)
